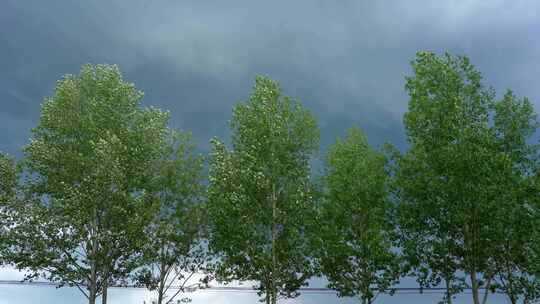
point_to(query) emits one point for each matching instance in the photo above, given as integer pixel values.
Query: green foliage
(86, 168)
(8, 204)
(514, 256)
(8, 177)
(354, 241)
(440, 178)
(260, 195)
(462, 175)
(173, 250)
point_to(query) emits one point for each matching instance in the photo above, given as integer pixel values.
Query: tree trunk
(105, 286)
(104, 294)
(274, 236)
(510, 284)
(91, 299)
(92, 257)
(448, 293)
(366, 300)
(161, 287)
(160, 295)
(92, 294)
(270, 293)
(486, 293)
(474, 283)
(469, 243)
(267, 300)
(92, 283)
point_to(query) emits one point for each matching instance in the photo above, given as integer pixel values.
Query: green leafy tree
(355, 237)
(86, 168)
(514, 255)
(260, 194)
(446, 186)
(174, 252)
(535, 252)
(461, 185)
(428, 247)
(8, 190)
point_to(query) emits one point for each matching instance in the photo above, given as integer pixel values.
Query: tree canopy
(461, 176)
(355, 239)
(174, 252)
(260, 196)
(85, 171)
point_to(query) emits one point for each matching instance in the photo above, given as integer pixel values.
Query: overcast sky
(345, 60)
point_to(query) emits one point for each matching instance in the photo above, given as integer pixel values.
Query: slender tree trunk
(268, 296)
(366, 300)
(92, 295)
(161, 283)
(511, 296)
(160, 294)
(486, 293)
(469, 243)
(510, 284)
(104, 294)
(474, 283)
(105, 286)
(274, 236)
(92, 257)
(448, 293)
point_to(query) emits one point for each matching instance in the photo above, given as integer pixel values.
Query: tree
(427, 245)
(460, 185)
(534, 258)
(174, 252)
(260, 196)
(514, 256)
(8, 189)
(355, 232)
(85, 172)
(445, 184)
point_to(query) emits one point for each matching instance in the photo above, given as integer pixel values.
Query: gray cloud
(346, 60)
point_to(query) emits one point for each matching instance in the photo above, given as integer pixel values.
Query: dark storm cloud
(346, 60)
